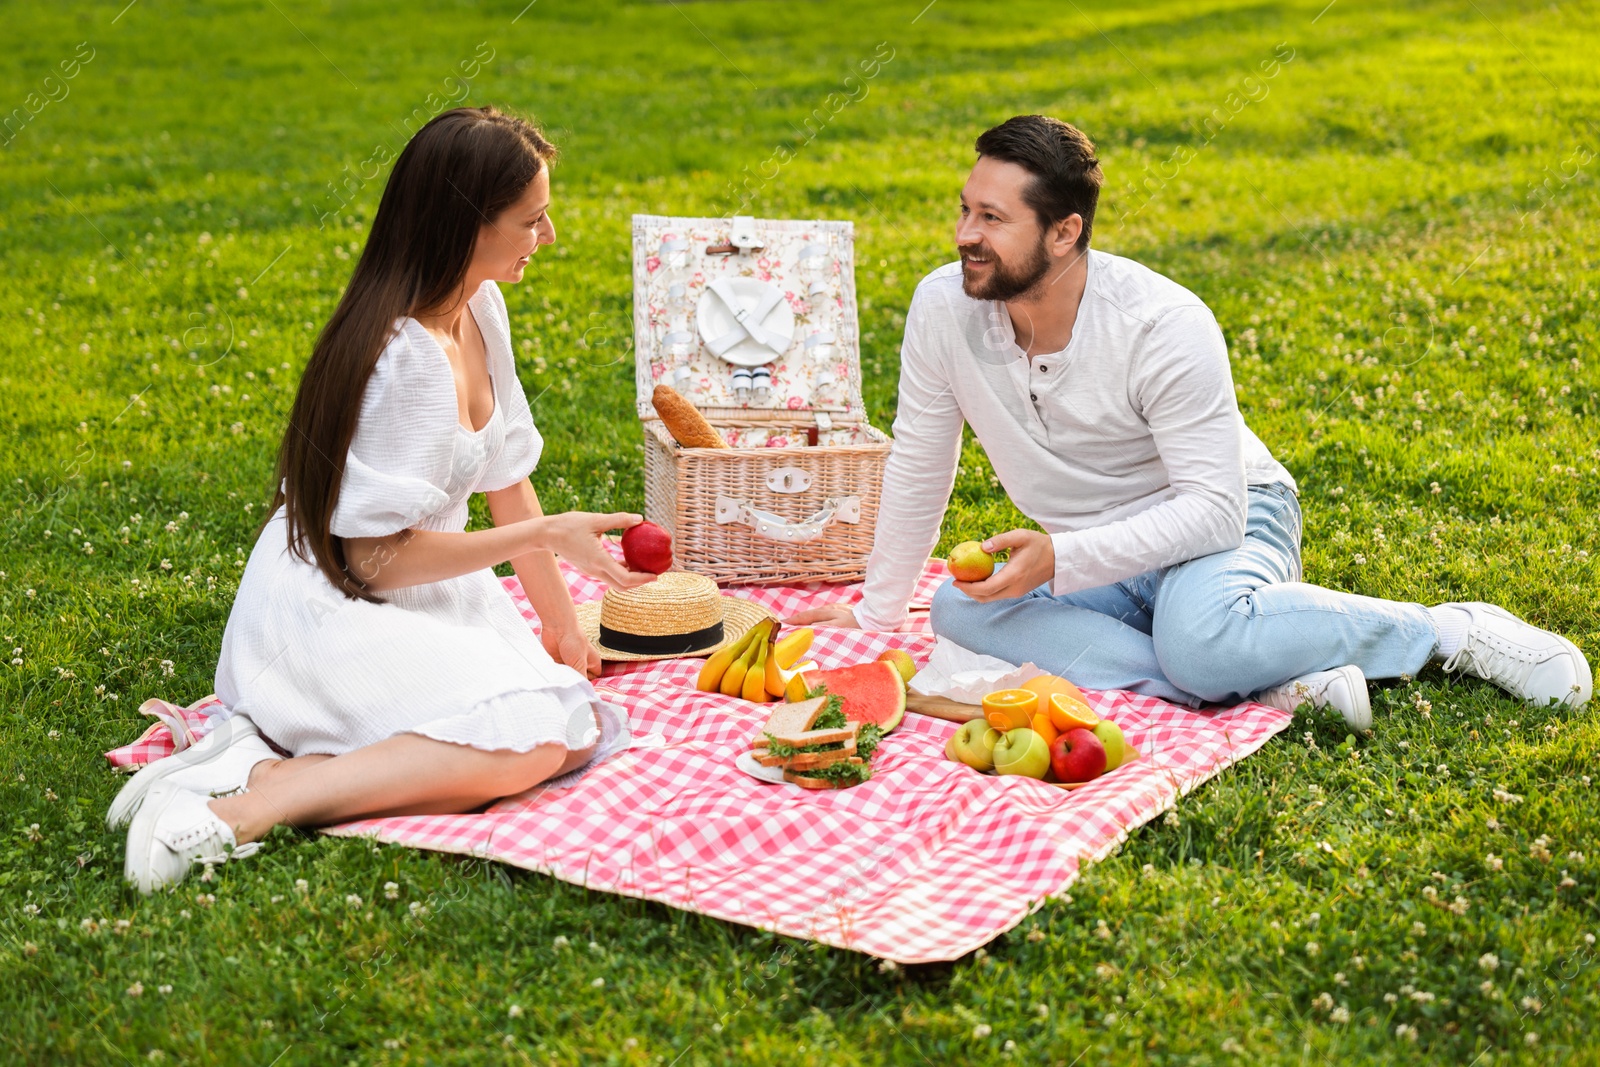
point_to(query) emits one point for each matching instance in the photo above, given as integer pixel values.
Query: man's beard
(1003, 282)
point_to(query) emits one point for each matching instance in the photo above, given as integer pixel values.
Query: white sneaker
(174, 829)
(216, 765)
(1343, 688)
(1527, 662)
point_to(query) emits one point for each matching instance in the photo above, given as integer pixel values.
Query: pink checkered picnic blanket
(926, 861)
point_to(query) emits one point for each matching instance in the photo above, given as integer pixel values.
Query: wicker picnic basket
(754, 321)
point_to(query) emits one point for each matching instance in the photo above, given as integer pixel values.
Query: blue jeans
(1218, 628)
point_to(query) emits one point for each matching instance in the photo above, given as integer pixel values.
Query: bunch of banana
(757, 666)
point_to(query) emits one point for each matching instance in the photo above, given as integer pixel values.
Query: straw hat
(679, 614)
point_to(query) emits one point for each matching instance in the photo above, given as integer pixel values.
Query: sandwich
(817, 747)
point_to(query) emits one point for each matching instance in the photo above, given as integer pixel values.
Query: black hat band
(661, 644)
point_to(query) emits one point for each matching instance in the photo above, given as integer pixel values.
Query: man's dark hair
(1066, 174)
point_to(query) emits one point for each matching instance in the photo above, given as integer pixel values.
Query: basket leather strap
(846, 509)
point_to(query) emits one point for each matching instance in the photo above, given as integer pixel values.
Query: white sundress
(453, 660)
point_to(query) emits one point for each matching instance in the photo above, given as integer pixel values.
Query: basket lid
(746, 313)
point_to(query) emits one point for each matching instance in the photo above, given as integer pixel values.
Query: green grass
(1398, 233)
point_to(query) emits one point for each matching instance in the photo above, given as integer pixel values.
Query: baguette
(683, 420)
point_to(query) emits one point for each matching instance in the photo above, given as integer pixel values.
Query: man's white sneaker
(1527, 662)
(1344, 689)
(173, 830)
(216, 765)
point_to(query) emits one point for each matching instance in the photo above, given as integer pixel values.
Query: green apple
(974, 744)
(950, 749)
(1110, 735)
(1022, 751)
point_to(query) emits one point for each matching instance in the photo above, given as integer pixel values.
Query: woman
(369, 637)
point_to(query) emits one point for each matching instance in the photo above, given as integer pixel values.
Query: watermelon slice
(872, 692)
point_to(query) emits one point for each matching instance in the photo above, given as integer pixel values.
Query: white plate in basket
(715, 320)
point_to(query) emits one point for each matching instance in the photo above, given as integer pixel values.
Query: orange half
(1010, 709)
(1068, 712)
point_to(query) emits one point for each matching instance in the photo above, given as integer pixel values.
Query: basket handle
(845, 509)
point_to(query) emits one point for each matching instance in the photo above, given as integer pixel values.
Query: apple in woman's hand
(1077, 756)
(647, 547)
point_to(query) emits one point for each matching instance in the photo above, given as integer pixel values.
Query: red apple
(1077, 756)
(647, 547)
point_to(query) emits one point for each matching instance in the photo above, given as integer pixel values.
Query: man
(1101, 392)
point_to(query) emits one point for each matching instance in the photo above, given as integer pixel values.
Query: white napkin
(965, 676)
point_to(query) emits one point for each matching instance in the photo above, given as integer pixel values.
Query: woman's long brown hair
(460, 171)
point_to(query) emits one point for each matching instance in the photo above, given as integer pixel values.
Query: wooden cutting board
(942, 708)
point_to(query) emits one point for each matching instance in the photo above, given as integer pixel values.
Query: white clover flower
(560, 942)
(1341, 1014)
(983, 1030)
(515, 1011)
(391, 890)
(1418, 929)
(598, 983)
(301, 885)
(1313, 948)
(1493, 862)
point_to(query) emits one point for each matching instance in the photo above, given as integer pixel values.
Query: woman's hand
(575, 537)
(571, 647)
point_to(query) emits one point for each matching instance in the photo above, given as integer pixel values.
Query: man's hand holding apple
(1032, 563)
